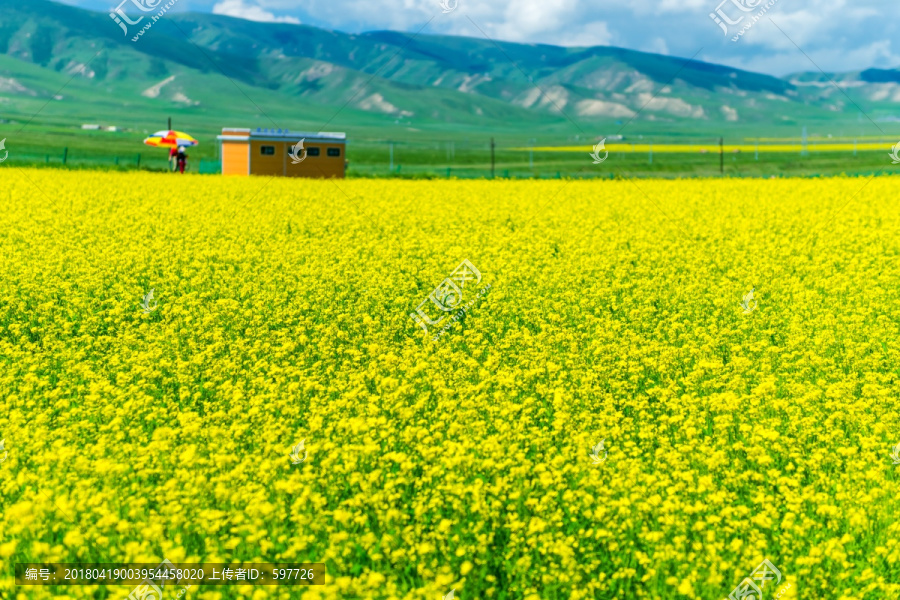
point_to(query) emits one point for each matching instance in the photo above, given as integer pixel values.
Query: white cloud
(836, 34)
(251, 12)
(657, 46)
(591, 34)
(831, 60)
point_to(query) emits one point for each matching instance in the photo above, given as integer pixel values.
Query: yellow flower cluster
(614, 313)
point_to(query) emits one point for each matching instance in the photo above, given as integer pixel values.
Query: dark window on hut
(334, 152)
(267, 150)
(312, 151)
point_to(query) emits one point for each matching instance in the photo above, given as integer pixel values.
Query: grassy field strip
(691, 148)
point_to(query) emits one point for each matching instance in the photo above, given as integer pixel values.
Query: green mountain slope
(220, 70)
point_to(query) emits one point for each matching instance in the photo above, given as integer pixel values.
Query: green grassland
(235, 73)
(39, 132)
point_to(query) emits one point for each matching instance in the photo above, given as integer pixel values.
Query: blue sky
(836, 35)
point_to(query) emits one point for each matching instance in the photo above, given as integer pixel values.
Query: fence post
(139, 160)
(65, 154)
(721, 156)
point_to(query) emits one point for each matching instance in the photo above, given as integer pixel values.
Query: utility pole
(492, 158)
(170, 123)
(392, 157)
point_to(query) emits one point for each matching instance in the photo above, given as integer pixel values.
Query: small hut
(275, 152)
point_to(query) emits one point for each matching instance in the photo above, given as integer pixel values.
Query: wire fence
(124, 162)
(526, 159)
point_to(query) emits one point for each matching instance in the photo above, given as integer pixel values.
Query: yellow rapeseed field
(472, 463)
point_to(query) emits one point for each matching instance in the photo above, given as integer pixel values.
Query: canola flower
(614, 316)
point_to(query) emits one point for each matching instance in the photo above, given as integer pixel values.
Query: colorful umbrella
(170, 139)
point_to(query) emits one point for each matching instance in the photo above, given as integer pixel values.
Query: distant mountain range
(212, 62)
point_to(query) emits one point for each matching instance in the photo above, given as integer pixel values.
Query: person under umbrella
(173, 141)
(182, 159)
